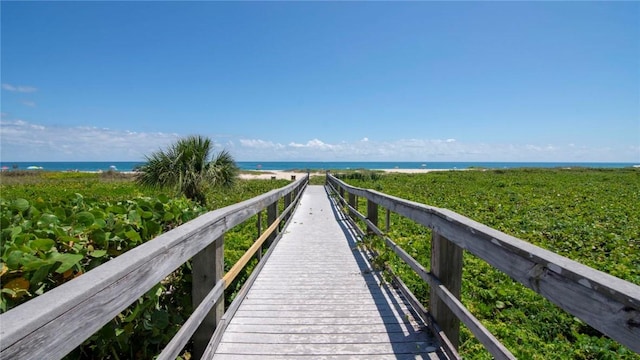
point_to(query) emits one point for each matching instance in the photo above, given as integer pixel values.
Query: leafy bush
(45, 244)
(362, 175)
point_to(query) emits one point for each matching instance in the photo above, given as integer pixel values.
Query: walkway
(317, 298)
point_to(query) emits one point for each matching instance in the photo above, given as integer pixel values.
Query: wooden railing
(607, 303)
(53, 324)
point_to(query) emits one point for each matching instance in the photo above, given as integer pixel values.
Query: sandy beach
(287, 175)
(413, 171)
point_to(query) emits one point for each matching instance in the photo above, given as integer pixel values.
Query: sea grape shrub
(45, 244)
(588, 215)
(76, 234)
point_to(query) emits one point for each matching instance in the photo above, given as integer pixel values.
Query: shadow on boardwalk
(408, 334)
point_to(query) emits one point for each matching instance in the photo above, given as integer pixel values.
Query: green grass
(588, 215)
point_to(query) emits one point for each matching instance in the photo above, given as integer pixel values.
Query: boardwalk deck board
(317, 297)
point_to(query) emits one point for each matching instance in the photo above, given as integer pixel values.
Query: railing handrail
(53, 324)
(605, 302)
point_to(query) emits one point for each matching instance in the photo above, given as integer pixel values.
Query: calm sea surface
(312, 165)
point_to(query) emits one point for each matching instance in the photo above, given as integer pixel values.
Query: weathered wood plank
(322, 307)
(331, 338)
(389, 349)
(321, 285)
(315, 301)
(433, 356)
(306, 314)
(383, 328)
(249, 320)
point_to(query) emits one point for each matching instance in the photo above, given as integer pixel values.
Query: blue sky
(324, 81)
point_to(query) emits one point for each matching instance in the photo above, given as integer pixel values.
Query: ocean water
(312, 165)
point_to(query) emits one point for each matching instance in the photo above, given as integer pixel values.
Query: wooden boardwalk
(317, 297)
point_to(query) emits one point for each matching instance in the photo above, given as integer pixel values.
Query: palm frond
(223, 170)
(185, 167)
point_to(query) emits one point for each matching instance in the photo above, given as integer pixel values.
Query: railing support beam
(446, 265)
(208, 268)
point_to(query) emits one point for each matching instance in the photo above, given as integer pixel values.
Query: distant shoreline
(127, 166)
(292, 174)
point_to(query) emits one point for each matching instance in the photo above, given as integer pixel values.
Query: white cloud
(365, 139)
(29, 103)
(259, 144)
(428, 150)
(314, 144)
(19, 88)
(318, 144)
(25, 141)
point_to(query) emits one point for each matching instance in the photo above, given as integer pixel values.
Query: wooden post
(372, 214)
(208, 269)
(388, 222)
(272, 215)
(287, 202)
(353, 202)
(259, 223)
(446, 265)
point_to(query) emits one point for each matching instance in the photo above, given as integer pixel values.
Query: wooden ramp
(318, 298)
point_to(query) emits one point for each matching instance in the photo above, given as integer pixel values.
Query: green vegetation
(56, 226)
(185, 166)
(591, 216)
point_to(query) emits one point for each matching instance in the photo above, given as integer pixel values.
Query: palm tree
(187, 167)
